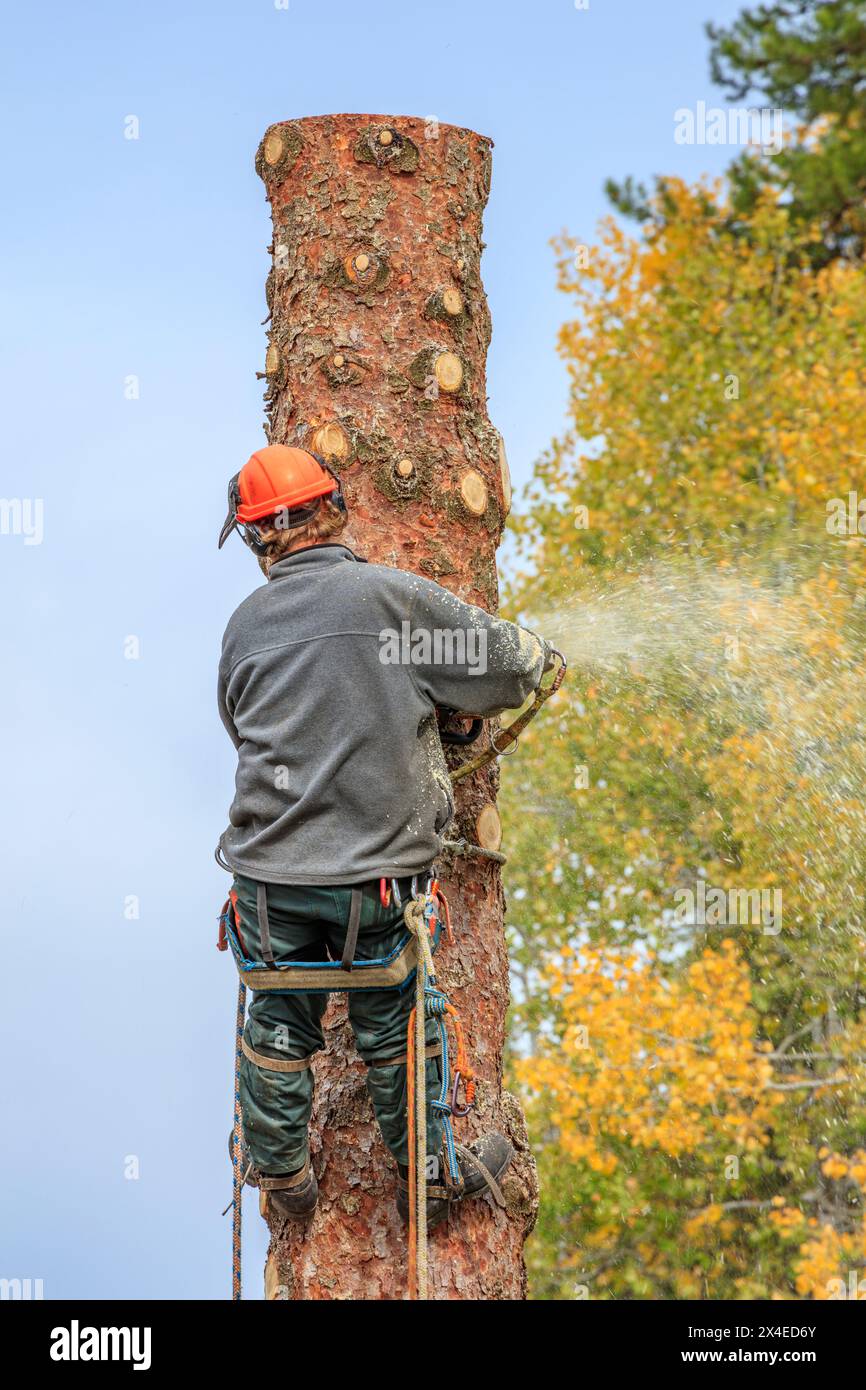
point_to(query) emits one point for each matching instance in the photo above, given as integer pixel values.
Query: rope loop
(436, 1003)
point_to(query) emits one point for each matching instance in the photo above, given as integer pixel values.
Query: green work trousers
(309, 924)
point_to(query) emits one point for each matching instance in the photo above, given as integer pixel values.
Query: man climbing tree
(329, 682)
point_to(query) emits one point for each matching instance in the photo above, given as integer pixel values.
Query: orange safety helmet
(278, 479)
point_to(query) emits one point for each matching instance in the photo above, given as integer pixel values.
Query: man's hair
(281, 540)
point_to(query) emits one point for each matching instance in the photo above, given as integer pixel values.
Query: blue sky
(147, 258)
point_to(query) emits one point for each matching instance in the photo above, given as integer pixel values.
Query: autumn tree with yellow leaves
(688, 829)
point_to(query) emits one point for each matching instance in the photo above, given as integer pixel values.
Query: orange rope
(461, 1062)
(446, 915)
(410, 1106)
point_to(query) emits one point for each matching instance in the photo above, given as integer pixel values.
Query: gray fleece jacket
(328, 682)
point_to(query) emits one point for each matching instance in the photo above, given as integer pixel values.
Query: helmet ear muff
(251, 536)
(336, 497)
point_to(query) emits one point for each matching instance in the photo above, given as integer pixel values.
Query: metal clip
(458, 1110)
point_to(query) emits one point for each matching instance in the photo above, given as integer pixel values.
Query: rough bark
(377, 339)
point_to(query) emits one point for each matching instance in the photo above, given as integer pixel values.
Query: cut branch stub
(473, 492)
(343, 369)
(448, 371)
(386, 147)
(448, 306)
(272, 360)
(278, 151)
(433, 365)
(331, 441)
(363, 269)
(488, 828)
(504, 476)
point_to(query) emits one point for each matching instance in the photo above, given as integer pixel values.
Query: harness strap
(433, 1050)
(352, 930)
(323, 979)
(433, 1189)
(275, 1063)
(264, 924)
(281, 1184)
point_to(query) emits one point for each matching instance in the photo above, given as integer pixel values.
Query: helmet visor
(231, 521)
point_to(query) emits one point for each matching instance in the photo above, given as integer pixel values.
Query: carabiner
(384, 892)
(504, 752)
(459, 1110)
(395, 891)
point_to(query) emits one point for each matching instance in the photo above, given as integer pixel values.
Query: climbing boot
(293, 1195)
(438, 1198)
(482, 1164)
(297, 1194)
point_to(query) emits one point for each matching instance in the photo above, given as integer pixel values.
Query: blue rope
(434, 1007)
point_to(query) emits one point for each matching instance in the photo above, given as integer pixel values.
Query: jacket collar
(329, 553)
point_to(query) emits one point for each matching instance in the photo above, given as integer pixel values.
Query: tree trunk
(376, 359)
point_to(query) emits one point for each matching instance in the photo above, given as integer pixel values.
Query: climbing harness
(394, 971)
(426, 915)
